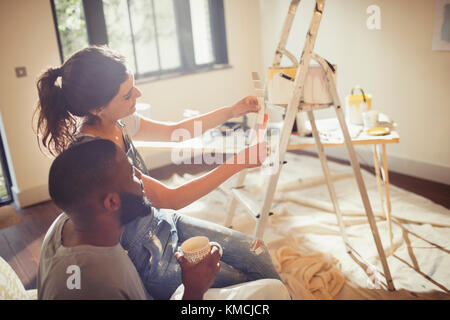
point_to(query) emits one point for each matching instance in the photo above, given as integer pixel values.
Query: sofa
(11, 288)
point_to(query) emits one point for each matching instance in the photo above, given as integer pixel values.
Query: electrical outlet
(21, 72)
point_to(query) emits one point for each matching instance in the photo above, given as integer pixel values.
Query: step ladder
(294, 106)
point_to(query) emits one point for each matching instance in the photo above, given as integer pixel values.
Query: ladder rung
(312, 107)
(244, 197)
(305, 107)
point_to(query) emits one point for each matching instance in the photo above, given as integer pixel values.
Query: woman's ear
(97, 112)
(112, 202)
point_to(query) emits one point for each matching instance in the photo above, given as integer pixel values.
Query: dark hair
(81, 171)
(90, 79)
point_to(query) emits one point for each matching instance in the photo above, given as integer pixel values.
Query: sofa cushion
(11, 288)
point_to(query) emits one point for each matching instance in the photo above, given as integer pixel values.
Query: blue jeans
(152, 241)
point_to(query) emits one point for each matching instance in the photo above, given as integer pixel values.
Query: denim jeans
(152, 241)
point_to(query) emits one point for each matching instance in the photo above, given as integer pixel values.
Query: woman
(97, 91)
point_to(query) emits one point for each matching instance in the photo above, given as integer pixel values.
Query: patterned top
(132, 152)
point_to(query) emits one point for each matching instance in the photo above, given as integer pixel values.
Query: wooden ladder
(294, 106)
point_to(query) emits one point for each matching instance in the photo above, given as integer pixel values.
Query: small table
(331, 136)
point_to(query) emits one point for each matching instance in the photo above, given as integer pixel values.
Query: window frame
(8, 198)
(97, 35)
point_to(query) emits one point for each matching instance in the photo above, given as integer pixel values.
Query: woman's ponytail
(90, 79)
(56, 126)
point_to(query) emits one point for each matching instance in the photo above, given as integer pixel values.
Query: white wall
(408, 80)
(28, 38)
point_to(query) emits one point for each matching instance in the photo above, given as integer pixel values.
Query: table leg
(388, 196)
(378, 175)
(380, 190)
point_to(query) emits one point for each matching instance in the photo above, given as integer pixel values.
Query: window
(158, 37)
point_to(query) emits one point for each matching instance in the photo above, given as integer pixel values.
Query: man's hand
(197, 278)
(244, 106)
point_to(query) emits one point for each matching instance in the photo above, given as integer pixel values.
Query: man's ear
(112, 202)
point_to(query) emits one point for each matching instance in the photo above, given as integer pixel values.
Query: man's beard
(132, 207)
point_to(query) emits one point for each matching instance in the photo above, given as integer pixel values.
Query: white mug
(195, 249)
(370, 119)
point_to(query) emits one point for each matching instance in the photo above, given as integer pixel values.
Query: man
(81, 257)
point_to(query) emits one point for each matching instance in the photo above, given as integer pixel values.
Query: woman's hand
(250, 157)
(244, 106)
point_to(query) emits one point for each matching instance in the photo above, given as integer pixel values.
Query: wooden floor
(20, 244)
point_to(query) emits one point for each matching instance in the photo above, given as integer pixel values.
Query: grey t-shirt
(85, 272)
